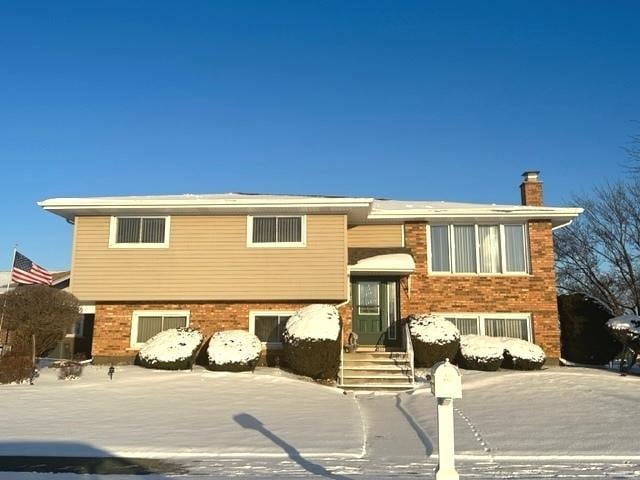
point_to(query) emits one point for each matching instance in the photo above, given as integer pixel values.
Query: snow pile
(626, 328)
(233, 350)
(314, 322)
(434, 339)
(311, 341)
(171, 349)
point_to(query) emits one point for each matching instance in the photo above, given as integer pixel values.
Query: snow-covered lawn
(144, 413)
(558, 421)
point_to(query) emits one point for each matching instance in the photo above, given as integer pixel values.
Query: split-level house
(143, 264)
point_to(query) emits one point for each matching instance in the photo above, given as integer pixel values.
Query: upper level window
(139, 232)
(488, 249)
(277, 231)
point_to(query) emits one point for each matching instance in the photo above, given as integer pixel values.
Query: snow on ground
(146, 413)
(571, 412)
(570, 422)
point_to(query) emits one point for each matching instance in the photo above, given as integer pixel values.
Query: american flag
(26, 272)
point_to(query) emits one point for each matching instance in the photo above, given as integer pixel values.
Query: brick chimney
(531, 189)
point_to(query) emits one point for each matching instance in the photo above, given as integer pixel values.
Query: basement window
(147, 323)
(269, 326)
(513, 325)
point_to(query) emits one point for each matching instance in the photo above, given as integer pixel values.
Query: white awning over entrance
(390, 263)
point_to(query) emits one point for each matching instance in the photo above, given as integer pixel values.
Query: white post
(446, 459)
(446, 384)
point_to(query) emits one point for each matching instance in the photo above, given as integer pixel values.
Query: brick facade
(534, 293)
(112, 329)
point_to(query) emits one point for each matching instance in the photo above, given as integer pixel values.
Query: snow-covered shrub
(171, 349)
(433, 339)
(479, 352)
(233, 351)
(521, 355)
(311, 344)
(68, 369)
(626, 329)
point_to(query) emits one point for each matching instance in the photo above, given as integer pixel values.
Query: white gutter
(562, 225)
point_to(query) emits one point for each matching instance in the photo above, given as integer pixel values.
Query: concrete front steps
(376, 371)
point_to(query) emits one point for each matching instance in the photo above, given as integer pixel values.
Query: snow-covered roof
(388, 263)
(359, 209)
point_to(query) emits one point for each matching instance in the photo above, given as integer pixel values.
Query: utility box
(446, 380)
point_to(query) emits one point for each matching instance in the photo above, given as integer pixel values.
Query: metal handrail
(409, 348)
(341, 374)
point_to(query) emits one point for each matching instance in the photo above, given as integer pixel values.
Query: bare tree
(47, 313)
(633, 151)
(599, 254)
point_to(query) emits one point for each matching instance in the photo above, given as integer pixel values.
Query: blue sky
(424, 100)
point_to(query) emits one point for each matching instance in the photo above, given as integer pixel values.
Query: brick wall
(112, 328)
(534, 293)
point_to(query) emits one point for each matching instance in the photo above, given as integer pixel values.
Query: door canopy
(387, 264)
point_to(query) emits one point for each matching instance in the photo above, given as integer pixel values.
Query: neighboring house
(244, 261)
(77, 342)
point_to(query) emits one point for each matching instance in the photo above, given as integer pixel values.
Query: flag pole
(4, 304)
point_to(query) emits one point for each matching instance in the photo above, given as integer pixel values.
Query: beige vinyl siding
(208, 259)
(375, 236)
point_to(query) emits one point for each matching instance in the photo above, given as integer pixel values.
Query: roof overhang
(68, 208)
(387, 264)
(557, 215)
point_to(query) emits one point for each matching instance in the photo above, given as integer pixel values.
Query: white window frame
(480, 317)
(267, 313)
(113, 232)
(153, 313)
(503, 257)
(303, 233)
(359, 296)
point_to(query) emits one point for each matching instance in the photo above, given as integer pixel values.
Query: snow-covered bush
(311, 344)
(68, 369)
(479, 352)
(626, 329)
(171, 349)
(433, 339)
(233, 351)
(521, 355)
(584, 336)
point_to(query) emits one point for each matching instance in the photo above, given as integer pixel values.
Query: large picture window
(269, 326)
(516, 325)
(139, 232)
(146, 323)
(484, 249)
(276, 231)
